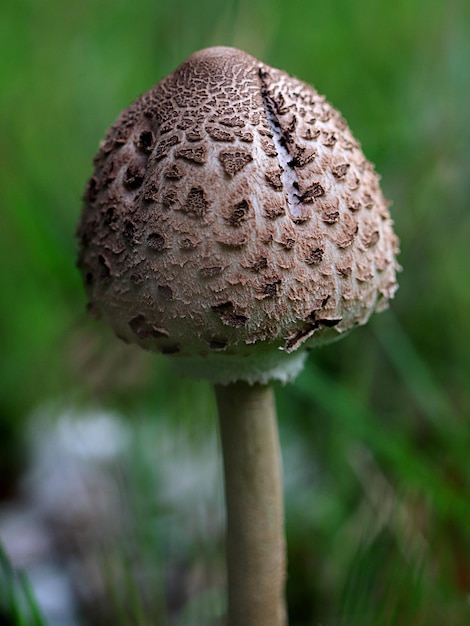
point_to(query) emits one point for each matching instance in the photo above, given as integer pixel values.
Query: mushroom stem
(255, 542)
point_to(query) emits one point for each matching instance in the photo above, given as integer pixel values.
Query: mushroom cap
(232, 221)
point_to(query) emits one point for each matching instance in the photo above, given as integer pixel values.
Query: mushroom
(232, 222)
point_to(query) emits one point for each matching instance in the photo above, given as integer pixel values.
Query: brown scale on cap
(231, 210)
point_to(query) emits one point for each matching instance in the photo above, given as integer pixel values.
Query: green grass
(18, 606)
(397, 391)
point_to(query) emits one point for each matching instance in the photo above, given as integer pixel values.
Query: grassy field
(378, 516)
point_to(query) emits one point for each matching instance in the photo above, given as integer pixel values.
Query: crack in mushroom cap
(232, 213)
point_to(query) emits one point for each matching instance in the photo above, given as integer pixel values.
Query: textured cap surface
(230, 213)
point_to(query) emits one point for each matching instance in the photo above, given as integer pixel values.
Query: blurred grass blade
(409, 462)
(16, 596)
(380, 589)
(413, 369)
(25, 586)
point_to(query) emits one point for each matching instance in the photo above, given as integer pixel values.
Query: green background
(390, 402)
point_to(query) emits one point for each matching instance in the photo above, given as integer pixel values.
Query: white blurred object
(67, 500)
(93, 483)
